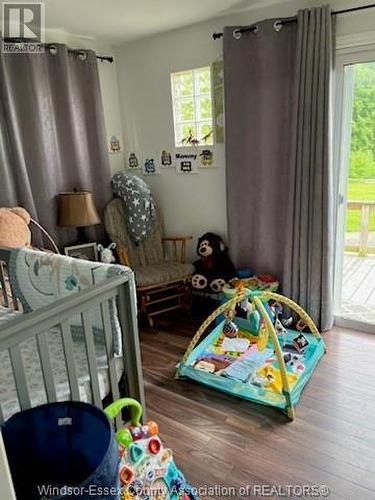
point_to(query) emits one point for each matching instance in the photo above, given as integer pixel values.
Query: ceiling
(117, 21)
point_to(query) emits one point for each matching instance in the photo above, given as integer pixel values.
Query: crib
(34, 346)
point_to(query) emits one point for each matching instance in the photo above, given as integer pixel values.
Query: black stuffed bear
(214, 266)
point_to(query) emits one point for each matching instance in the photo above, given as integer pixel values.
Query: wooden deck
(358, 291)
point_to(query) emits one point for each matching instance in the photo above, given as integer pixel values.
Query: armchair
(158, 262)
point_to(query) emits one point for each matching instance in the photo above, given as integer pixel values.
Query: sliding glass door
(355, 162)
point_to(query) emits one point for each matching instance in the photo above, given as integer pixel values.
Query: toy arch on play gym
(282, 387)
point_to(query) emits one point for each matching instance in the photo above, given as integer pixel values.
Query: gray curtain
(277, 86)
(308, 265)
(52, 133)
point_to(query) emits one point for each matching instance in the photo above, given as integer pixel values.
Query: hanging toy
(301, 325)
(262, 337)
(287, 322)
(280, 331)
(230, 329)
(254, 319)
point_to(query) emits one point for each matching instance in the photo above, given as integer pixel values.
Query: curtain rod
(109, 59)
(216, 36)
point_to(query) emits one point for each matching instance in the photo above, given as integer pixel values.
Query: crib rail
(37, 323)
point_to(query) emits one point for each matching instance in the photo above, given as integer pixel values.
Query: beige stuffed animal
(14, 227)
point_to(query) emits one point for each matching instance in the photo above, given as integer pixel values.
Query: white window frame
(350, 51)
(176, 122)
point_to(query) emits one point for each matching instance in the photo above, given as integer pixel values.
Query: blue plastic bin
(62, 450)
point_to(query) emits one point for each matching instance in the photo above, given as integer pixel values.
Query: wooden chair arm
(123, 255)
(179, 245)
(177, 238)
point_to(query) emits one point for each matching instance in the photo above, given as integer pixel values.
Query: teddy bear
(14, 227)
(214, 267)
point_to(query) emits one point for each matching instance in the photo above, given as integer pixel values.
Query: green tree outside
(362, 156)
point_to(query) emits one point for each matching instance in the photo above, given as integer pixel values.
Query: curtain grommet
(82, 56)
(52, 49)
(255, 30)
(278, 25)
(237, 34)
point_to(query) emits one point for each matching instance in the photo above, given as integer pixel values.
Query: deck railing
(366, 208)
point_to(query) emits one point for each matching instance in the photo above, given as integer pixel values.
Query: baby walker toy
(253, 353)
(147, 470)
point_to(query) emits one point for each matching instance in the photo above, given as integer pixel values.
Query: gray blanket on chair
(140, 206)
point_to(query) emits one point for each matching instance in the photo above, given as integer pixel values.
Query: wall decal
(166, 159)
(114, 144)
(207, 158)
(150, 165)
(186, 161)
(133, 160)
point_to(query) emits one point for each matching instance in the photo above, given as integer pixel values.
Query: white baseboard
(352, 324)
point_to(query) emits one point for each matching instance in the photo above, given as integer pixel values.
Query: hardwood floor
(223, 442)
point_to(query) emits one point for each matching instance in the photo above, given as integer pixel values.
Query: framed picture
(87, 251)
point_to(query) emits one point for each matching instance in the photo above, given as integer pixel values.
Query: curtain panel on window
(52, 133)
(279, 173)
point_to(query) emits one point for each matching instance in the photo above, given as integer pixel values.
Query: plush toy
(106, 254)
(14, 227)
(214, 266)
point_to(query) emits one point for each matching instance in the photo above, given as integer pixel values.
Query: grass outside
(359, 191)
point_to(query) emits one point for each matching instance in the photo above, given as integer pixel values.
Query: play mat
(254, 352)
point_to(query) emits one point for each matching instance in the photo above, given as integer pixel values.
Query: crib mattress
(7, 314)
(8, 394)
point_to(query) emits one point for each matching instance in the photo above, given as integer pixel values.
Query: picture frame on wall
(86, 251)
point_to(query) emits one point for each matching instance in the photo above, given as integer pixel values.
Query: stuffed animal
(106, 254)
(214, 267)
(14, 227)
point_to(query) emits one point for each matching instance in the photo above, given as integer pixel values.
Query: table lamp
(77, 209)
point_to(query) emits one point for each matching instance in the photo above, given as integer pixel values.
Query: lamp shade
(77, 209)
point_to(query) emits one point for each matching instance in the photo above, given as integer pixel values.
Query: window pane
(193, 108)
(185, 131)
(204, 108)
(203, 80)
(183, 84)
(184, 110)
(205, 133)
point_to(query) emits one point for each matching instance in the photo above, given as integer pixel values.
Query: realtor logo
(23, 27)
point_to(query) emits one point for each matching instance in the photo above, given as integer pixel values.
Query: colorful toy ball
(153, 428)
(154, 446)
(126, 475)
(136, 433)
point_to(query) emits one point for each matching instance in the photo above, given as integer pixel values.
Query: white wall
(196, 203)
(108, 83)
